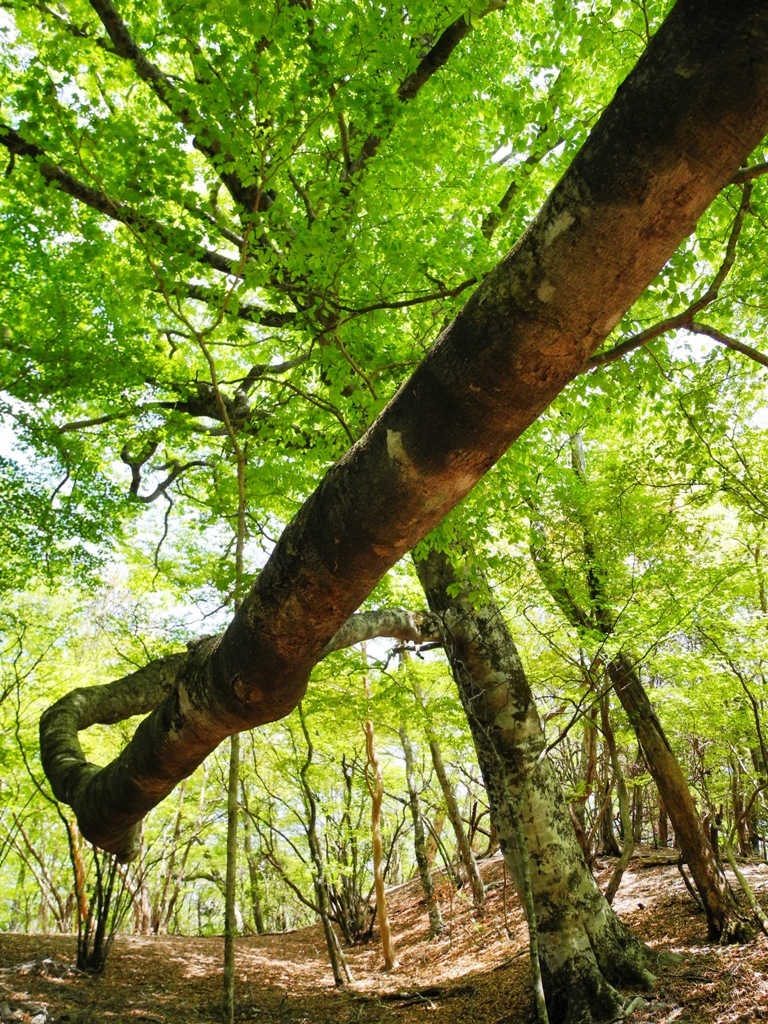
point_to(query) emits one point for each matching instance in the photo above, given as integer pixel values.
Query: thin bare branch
(724, 339)
(443, 293)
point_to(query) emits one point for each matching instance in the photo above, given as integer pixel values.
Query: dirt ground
(478, 970)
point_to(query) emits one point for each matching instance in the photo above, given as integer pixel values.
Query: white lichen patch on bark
(395, 448)
(560, 224)
(545, 291)
(184, 706)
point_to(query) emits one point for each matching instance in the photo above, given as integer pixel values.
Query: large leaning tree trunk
(725, 919)
(677, 130)
(584, 949)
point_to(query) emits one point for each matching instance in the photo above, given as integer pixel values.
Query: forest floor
(477, 971)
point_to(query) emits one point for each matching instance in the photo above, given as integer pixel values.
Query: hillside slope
(478, 970)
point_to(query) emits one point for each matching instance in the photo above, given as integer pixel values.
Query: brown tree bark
(677, 130)
(724, 919)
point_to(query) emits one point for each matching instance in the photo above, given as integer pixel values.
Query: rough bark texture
(584, 948)
(679, 127)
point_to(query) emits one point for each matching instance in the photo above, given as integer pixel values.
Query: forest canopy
(281, 284)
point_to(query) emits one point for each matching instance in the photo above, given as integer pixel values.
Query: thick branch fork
(679, 128)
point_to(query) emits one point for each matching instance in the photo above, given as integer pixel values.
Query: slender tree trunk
(623, 796)
(181, 861)
(142, 905)
(746, 888)
(584, 949)
(638, 809)
(435, 846)
(78, 868)
(452, 808)
(230, 885)
(739, 811)
(159, 909)
(376, 789)
(341, 974)
(587, 768)
(607, 843)
(663, 823)
(419, 839)
(724, 918)
(253, 870)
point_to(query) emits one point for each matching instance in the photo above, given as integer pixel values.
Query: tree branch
(436, 58)
(246, 311)
(492, 219)
(260, 370)
(176, 468)
(249, 198)
(102, 203)
(738, 346)
(393, 623)
(144, 690)
(444, 293)
(749, 173)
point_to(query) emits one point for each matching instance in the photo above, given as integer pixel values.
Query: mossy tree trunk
(585, 951)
